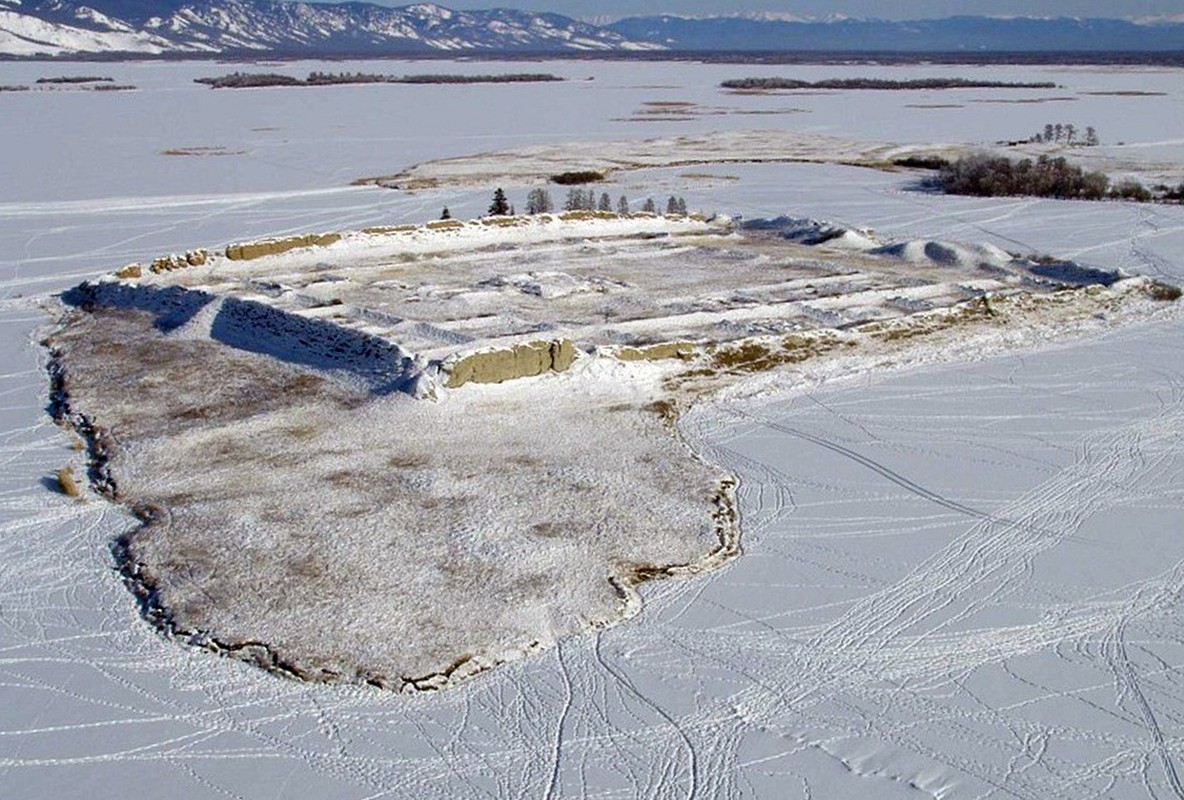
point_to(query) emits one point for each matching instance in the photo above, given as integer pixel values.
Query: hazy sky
(886, 9)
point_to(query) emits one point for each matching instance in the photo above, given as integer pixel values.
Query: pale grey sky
(885, 9)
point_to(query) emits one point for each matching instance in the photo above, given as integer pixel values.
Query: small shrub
(577, 177)
(1163, 292)
(921, 162)
(997, 176)
(1169, 195)
(1131, 190)
(67, 483)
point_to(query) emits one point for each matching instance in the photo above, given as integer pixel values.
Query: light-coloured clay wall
(521, 361)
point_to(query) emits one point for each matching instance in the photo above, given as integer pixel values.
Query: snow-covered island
(402, 456)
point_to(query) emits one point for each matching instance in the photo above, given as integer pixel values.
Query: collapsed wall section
(506, 364)
(250, 251)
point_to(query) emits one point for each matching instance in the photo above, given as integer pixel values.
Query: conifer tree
(623, 205)
(500, 207)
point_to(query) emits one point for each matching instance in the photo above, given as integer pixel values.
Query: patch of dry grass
(408, 461)
(67, 483)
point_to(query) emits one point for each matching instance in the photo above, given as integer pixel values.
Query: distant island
(777, 84)
(89, 83)
(73, 79)
(247, 80)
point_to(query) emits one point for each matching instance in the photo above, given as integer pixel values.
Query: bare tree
(1058, 131)
(1091, 137)
(538, 201)
(1070, 132)
(575, 200)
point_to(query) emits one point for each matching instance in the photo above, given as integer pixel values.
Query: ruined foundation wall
(270, 247)
(521, 361)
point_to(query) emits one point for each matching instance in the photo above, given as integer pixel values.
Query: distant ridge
(949, 35)
(277, 28)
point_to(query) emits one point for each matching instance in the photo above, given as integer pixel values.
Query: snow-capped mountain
(65, 27)
(37, 28)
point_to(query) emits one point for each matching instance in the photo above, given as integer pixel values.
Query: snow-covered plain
(962, 581)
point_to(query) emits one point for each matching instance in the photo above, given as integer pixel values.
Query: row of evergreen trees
(539, 201)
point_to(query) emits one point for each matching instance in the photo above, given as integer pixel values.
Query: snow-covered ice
(961, 580)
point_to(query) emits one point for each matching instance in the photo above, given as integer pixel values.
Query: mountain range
(949, 35)
(275, 27)
(278, 28)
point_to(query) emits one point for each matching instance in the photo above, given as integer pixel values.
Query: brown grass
(306, 568)
(350, 479)
(666, 409)
(525, 460)
(708, 176)
(683, 351)
(408, 461)
(503, 221)
(1163, 292)
(385, 229)
(746, 357)
(548, 530)
(67, 483)
(301, 432)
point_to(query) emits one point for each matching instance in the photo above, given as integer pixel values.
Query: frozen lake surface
(961, 581)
